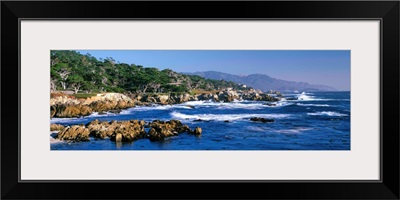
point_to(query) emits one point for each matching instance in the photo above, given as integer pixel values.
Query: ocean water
(316, 121)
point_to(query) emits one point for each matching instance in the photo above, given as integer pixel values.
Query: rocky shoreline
(131, 130)
(65, 107)
(123, 131)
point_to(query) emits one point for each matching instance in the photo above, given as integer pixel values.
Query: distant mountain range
(264, 82)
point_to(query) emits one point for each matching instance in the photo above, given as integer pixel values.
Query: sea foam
(328, 113)
(223, 117)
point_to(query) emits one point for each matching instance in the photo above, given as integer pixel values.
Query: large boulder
(161, 129)
(266, 97)
(56, 127)
(197, 131)
(74, 133)
(100, 129)
(128, 131)
(69, 110)
(182, 98)
(228, 96)
(122, 131)
(162, 99)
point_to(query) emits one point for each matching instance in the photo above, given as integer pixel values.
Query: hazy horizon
(320, 67)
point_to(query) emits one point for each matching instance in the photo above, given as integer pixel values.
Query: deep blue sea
(316, 121)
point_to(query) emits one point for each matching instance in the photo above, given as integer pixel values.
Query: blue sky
(326, 67)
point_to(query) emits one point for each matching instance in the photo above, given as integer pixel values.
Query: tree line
(80, 73)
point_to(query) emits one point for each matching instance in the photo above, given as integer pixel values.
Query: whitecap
(256, 129)
(303, 96)
(328, 113)
(317, 105)
(224, 117)
(293, 131)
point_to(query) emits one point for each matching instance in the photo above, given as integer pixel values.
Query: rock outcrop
(125, 131)
(74, 133)
(56, 127)
(163, 129)
(260, 119)
(68, 107)
(69, 110)
(122, 131)
(259, 97)
(197, 131)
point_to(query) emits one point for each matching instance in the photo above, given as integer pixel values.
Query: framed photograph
(290, 96)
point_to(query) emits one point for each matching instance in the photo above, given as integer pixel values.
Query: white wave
(293, 131)
(256, 129)
(96, 114)
(251, 105)
(223, 117)
(158, 107)
(317, 105)
(198, 103)
(245, 104)
(328, 113)
(282, 103)
(55, 141)
(303, 96)
(60, 120)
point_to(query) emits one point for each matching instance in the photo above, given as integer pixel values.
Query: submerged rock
(263, 120)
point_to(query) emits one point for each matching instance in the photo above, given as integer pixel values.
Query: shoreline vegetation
(82, 84)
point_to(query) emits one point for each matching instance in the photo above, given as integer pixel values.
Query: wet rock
(163, 129)
(115, 111)
(74, 133)
(269, 104)
(118, 137)
(260, 119)
(128, 130)
(197, 131)
(56, 127)
(53, 110)
(100, 129)
(123, 131)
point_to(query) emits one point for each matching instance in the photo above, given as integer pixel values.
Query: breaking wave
(224, 117)
(328, 113)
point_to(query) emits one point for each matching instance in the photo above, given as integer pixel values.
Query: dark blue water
(317, 121)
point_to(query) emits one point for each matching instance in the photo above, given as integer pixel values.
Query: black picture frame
(386, 11)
